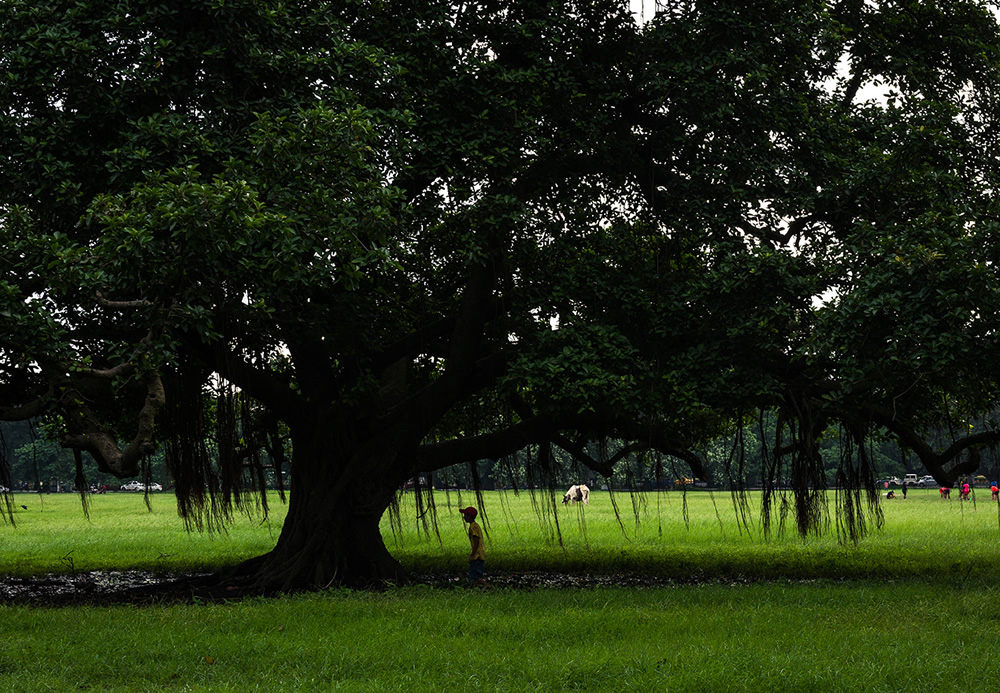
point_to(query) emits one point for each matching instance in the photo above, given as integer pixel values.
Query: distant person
(904, 493)
(891, 494)
(965, 491)
(995, 490)
(477, 555)
(945, 492)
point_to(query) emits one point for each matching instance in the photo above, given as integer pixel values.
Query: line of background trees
(36, 461)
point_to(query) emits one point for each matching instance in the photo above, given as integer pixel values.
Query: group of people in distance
(965, 491)
(892, 494)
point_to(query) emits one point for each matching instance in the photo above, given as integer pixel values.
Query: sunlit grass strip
(52, 535)
(922, 536)
(767, 636)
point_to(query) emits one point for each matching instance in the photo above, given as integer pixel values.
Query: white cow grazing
(580, 492)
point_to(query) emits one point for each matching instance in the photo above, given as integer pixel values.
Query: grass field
(52, 535)
(921, 536)
(675, 535)
(911, 608)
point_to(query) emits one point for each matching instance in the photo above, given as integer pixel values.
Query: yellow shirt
(475, 531)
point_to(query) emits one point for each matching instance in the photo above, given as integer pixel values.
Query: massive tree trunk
(331, 533)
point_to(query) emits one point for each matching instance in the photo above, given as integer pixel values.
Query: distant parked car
(927, 482)
(134, 486)
(910, 480)
(155, 487)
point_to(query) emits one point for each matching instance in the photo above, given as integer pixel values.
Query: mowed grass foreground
(921, 616)
(761, 637)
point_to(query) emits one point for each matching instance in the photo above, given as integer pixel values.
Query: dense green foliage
(366, 240)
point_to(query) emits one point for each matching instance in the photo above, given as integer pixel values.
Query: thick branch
(934, 461)
(121, 305)
(579, 452)
(428, 405)
(87, 432)
(28, 410)
(853, 86)
(496, 444)
(109, 373)
(263, 385)
(551, 429)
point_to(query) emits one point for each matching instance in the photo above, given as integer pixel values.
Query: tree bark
(331, 533)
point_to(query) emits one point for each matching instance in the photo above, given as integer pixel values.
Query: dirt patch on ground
(89, 588)
(140, 587)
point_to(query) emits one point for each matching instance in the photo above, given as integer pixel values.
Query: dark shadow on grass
(142, 588)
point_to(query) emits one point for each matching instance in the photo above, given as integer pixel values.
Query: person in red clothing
(477, 555)
(996, 490)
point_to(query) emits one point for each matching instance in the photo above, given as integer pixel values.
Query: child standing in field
(477, 556)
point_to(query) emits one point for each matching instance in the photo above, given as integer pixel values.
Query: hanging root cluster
(209, 486)
(6, 499)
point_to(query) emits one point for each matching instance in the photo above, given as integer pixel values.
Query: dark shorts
(477, 569)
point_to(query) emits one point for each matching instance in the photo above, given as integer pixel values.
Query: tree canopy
(366, 240)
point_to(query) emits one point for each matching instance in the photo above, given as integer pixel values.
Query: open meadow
(913, 607)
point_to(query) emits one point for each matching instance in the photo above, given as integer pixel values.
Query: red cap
(469, 512)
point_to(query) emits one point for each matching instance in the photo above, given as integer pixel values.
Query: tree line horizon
(39, 463)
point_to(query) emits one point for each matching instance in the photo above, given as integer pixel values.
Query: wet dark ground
(140, 587)
(91, 587)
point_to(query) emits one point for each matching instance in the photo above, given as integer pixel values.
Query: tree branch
(88, 433)
(121, 305)
(29, 410)
(496, 444)
(934, 461)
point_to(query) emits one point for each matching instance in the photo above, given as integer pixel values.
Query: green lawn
(52, 534)
(912, 608)
(788, 636)
(921, 536)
